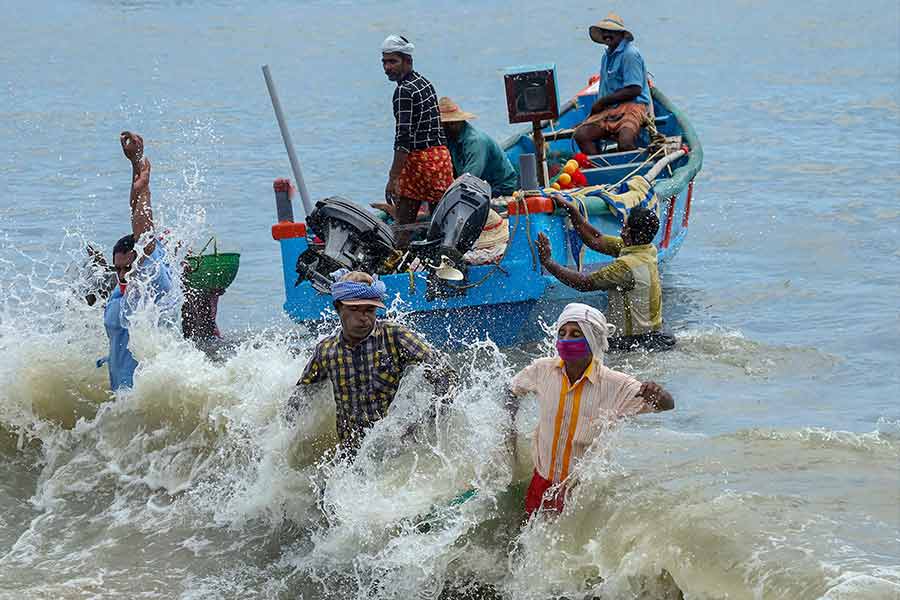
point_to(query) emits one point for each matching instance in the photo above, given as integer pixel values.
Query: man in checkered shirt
(366, 359)
(422, 169)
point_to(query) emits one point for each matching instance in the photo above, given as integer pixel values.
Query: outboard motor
(354, 239)
(456, 223)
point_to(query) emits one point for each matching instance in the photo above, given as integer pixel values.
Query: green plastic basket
(212, 271)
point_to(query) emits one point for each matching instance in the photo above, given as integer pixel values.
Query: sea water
(777, 476)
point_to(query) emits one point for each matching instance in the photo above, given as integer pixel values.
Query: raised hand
(566, 205)
(655, 397)
(141, 183)
(132, 146)
(543, 247)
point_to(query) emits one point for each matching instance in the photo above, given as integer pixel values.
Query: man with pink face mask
(578, 399)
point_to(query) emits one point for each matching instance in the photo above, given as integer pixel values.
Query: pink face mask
(573, 349)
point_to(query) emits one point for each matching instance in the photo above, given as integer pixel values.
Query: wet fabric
(593, 325)
(623, 67)
(152, 281)
(354, 290)
(573, 414)
(633, 287)
(573, 349)
(365, 377)
(537, 498)
(426, 174)
(478, 153)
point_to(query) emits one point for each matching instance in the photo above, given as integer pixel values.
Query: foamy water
(214, 494)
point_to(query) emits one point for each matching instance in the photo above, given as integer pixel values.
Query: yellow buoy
(555, 186)
(564, 179)
(571, 167)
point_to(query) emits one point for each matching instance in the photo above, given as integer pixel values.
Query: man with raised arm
(138, 261)
(631, 281)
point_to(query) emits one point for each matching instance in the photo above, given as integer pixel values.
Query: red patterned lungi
(534, 497)
(609, 122)
(426, 174)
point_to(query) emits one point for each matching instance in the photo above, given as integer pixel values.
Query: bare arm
(625, 94)
(656, 399)
(593, 238)
(141, 208)
(570, 277)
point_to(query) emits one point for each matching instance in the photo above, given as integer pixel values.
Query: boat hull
(505, 303)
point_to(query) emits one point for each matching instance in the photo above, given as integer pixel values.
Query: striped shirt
(633, 287)
(365, 377)
(572, 415)
(417, 115)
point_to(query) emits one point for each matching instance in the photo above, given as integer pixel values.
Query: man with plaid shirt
(366, 359)
(422, 169)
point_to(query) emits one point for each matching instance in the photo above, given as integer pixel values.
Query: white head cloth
(397, 43)
(593, 324)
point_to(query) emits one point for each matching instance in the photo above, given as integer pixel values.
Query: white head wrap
(593, 324)
(397, 43)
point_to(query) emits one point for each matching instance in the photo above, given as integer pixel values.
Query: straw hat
(495, 232)
(451, 112)
(612, 22)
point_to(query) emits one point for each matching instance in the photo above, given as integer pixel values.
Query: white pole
(288, 144)
(660, 165)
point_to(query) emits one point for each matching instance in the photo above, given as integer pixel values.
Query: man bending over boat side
(577, 390)
(366, 359)
(624, 96)
(421, 170)
(631, 281)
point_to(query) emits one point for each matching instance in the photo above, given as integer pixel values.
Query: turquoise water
(778, 476)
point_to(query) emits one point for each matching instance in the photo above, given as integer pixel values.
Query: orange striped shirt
(573, 414)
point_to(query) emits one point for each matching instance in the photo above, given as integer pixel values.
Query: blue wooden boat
(503, 302)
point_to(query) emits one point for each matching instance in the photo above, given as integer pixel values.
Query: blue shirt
(624, 67)
(152, 279)
(478, 153)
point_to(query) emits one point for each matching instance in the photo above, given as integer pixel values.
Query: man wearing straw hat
(421, 170)
(624, 93)
(475, 152)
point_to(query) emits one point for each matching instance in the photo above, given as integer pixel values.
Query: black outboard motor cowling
(458, 218)
(354, 239)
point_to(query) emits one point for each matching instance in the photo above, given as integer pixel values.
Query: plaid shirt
(417, 115)
(366, 377)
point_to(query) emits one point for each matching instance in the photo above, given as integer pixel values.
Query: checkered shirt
(417, 115)
(365, 378)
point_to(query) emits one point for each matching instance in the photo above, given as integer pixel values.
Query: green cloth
(477, 153)
(633, 287)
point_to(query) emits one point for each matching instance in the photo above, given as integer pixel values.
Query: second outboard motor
(457, 221)
(353, 237)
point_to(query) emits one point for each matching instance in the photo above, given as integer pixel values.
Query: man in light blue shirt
(143, 275)
(624, 95)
